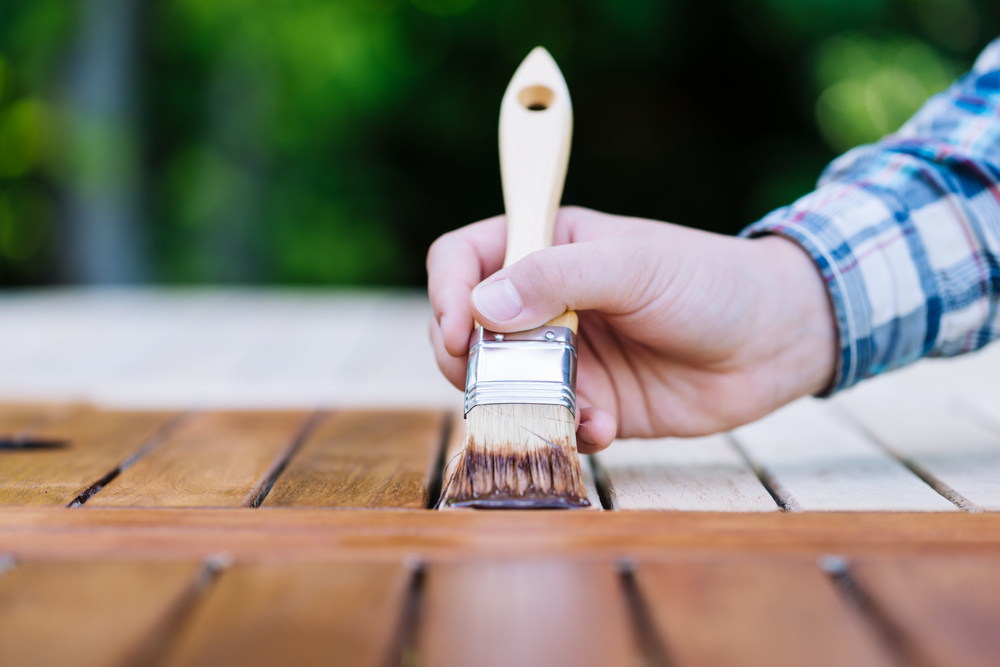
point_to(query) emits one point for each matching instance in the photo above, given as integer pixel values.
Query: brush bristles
(518, 455)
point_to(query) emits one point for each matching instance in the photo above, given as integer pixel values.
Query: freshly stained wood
(296, 614)
(524, 613)
(755, 613)
(949, 610)
(214, 460)
(930, 433)
(364, 459)
(97, 443)
(89, 614)
(21, 421)
(319, 534)
(829, 465)
(456, 442)
(689, 474)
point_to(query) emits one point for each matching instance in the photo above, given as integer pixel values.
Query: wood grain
(56, 533)
(948, 609)
(88, 614)
(364, 459)
(754, 613)
(688, 474)
(829, 465)
(524, 613)
(214, 460)
(928, 432)
(20, 420)
(97, 443)
(302, 614)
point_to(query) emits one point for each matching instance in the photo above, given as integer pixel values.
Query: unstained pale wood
(364, 459)
(827, 464)
(97, 442)
(296, 614)
(686, 474)
(243, 348)
(213, 460)
(89, 614)
(755, 613)
(520, 612)
(936, 436)
(949, 610)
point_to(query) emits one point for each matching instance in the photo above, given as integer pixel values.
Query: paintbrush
(520, 392)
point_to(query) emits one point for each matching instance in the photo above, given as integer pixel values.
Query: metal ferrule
(536, 366)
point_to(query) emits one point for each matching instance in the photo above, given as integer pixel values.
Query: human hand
(682, 332)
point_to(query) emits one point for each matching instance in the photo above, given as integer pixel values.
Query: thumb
(603, 275)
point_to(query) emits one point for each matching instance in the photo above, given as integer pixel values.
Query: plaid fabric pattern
(907, 232)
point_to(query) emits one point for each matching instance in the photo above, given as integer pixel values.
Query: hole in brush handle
(536, 98)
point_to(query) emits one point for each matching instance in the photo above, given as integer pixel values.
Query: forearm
(795, 320)
(906, 234)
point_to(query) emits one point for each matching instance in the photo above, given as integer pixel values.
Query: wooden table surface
(189, 478)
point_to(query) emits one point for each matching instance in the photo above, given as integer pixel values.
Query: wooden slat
(97, 442)
(222, 348)
(524, 613)
(89, 614)
(214, 460)
(456, 442)
(589, 482)
(754, 613)
(689, 474)
(364, 459)
(828, 465)
(296, 614)
(949, 610)
(960, 456)
(22, 420)
(44, 532)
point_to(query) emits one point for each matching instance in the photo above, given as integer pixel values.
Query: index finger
(456, 263)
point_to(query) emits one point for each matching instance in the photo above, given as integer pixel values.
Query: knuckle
(437, 247)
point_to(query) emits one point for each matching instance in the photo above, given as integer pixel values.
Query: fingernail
(498, 301)
(443, 323)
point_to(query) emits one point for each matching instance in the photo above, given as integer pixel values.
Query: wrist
(797, 320)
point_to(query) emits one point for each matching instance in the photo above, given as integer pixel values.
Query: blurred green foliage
(330, 141)
(33, 39)
(872, 86)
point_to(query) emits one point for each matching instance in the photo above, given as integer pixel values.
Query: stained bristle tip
(518, 456)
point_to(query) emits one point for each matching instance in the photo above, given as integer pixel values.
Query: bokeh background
(328, 142)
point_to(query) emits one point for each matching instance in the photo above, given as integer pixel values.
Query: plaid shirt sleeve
(906, 232)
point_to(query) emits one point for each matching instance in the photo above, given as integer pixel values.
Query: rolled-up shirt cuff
(878, 288)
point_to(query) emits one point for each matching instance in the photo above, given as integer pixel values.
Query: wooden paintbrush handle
(536, 127)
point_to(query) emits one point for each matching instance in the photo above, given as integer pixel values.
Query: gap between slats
(264, 485)
(152, 651)
(782, 497)
(144, 643)
(403, 648)
(651, 645)
(260, 490)
(925, 475)
(435, 478)
(904, 649)
(830, 466)
(151, 444)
